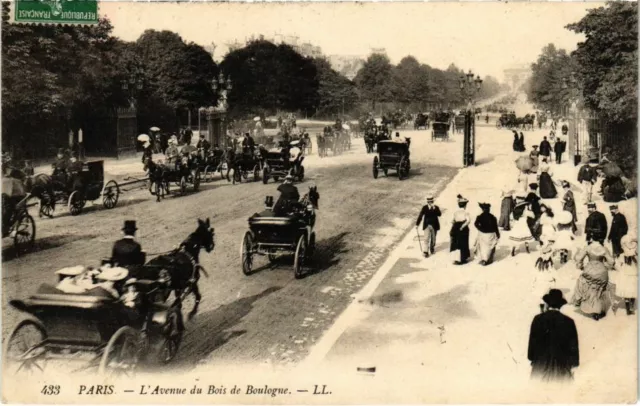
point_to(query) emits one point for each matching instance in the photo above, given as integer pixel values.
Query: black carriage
(17, 223)
(209, 163)
(248, 162)
(182, 172)
(421, 122)
(108, 334)
(78, 188)
(392, 155)
(440, 131)
(278, 164)
(274, 236)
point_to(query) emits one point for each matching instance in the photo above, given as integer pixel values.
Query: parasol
(256, 118)
(13, 187)
(345, 127)
(143, 138)
(611, 170)
(524, 163)
(188, 149)
(564, 217)
(154, 129)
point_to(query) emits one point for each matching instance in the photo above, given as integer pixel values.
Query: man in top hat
(619, 229)
(553, 342)
(595, 227)
(558, 148)
(431, 225)
(126, 251)
(289, 197)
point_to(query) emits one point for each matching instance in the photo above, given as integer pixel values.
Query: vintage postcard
(319, 203)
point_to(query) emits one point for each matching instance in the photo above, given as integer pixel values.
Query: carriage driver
(126, 251)
(289, 198)
(203, 145)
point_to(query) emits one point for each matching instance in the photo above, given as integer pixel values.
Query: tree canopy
(374, 79)
(552, 69)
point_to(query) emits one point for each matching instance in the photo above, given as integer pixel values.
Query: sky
(485, 37)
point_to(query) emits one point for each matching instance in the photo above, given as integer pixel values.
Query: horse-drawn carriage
(76, 189)
(274, 236)
(421, 122)
(440, 131)
(283, 161)
(248, 162)
(392, 155)
(184, 171)
(17, 223)
(209, 162)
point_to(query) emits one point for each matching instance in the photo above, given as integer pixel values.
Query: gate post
(469, 144)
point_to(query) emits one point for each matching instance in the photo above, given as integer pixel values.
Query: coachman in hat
(126, 251)
(553, 342)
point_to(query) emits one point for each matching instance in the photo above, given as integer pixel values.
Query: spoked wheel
(403, 168)
(301, 252)
(76, 203)
(237, 176)
(122, 354)
(256, 173)
(171, 336)
(301, 174)
(375, 167)
(110, 194)
(246, 253)
(265, 176)
(25, 233)
(196, 180)
(47, 205)
(207, 173)
(24, 352)
(183, 185)
(312, 245)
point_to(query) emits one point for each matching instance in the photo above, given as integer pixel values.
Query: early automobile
(392, 155)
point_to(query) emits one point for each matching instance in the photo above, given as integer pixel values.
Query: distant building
(347, 65)
(382, 51)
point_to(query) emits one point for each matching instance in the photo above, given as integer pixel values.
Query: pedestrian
(534, 200)
(595, 227)
(545, 225)
(521, 232)
(516, 141)
(553, 342)
(521, 145)
(545, 148)
(626, 275)
(506, 208)
(619, 229)
(547, 188)
(559, 149)
(587, 176)
(564, 238)
(126, 251)
(534, 155)
(569, 204)
(565, 129)
(430, 226)
(460, 231)
(591, 286)
(488, 234)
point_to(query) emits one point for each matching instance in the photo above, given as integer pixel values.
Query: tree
(374, 80)
(336, 93)
(607, 61)
(549, 73)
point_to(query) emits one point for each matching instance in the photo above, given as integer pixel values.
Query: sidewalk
(436, 332)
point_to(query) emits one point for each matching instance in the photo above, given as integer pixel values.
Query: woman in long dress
(488, 234)
(591, 286)
(520, 232)
(546, 227)
(516, 141)
(569, 204)
(564, 244)
(626, 275)
(506, 208)
(460, 231)
(547, 188)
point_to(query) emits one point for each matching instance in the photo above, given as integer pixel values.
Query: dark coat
(487, 223)
(587, 173)
(553, 346)
(595, 227)
(127, 252)
(545, 148)
(619, 229)
(559, 147)
(288, 197)
(430, 216)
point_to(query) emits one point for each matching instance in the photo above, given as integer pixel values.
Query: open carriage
(440, 131)
(274, 236)
(78, 188)
(104, 333)
(209, 163)
(184, 171)
(278, 164)
(392, 155)
(17, 223)
(247, 163)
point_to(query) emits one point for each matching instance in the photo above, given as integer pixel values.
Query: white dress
(520, 231)
(548, 230)
(625, 278)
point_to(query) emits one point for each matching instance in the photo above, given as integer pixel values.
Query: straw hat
(71, 271)
(113, 274)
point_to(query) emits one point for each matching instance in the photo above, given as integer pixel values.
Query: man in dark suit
(289, 197)
(545, 148)
(127, 252)
(553, 342)
(619, 229)
(595, 227)
(558, 149)
(430, 212)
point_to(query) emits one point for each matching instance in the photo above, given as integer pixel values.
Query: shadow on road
(211, 330)
(327, 253)
(62, 210)
(46, 243)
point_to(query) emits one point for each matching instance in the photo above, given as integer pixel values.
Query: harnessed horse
(157, 177)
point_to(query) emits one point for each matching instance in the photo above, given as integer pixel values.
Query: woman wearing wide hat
(520, 231)
(506, 208)
(569, 204)
(547, 188)
(460, 231)
(626, 275)
(590, 291)
(488, 234)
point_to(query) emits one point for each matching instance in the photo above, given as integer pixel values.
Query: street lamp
(132, 85)
(470, 87)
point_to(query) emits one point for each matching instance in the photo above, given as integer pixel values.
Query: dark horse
(183, 264)
(158, 178)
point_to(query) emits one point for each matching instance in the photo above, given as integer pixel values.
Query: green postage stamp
(56, 11)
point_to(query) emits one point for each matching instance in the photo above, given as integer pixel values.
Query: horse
(312, 197)
(157, 177)
(183, 264)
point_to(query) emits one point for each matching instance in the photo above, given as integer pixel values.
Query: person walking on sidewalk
(553, 342)
(626, 275)
(460, 231)
(619, 229)
(569, 204)
(506, 208)
(591, 287)
(431, 225)
(545, 148)
(595, 228)
(488, 234)
(558, 148)
(547, 188)
(521, 232)
(516, 141)
(521, 146)
(587, 176)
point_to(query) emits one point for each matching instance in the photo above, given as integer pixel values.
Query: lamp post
(126, 141)
(469, 87)
(570, 111)
(221, 86)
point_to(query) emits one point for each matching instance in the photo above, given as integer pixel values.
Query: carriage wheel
(196, 180)
(47, 204)
(301, 174)
(312, 245)
(265, 176)
(76, 203)
(246, 253)
(110, 194)
(403, 170)
(25, 230)
(205, 176)
(171, 336)
(122, 353)
(375, 167)
(183, 185)
(256, 173)
(24, 352)
(301, 252)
